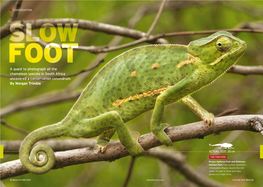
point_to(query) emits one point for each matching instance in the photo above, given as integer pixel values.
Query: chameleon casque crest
(141, 79)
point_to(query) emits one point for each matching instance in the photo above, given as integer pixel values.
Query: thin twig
(184, 33)
(48, 98)
(129, 171)
(156, 19)
(14, 128)
(151, 39)
(117, 150)
(15, 13)
(85, 70)
(227, 112)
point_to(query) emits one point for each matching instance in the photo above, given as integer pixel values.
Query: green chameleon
(141, 79)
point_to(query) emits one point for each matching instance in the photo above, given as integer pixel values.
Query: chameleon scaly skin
(141, 79)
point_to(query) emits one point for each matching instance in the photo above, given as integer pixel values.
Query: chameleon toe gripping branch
(141, 79)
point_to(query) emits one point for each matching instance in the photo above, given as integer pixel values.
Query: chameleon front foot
(209, 119)
(161, 135)
(101, 146)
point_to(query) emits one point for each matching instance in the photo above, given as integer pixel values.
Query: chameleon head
(219, 51)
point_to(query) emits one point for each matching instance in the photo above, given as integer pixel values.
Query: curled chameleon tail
(41, 158)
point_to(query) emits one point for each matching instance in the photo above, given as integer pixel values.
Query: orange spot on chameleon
(191, 59)
(133, 74)
(155, 66)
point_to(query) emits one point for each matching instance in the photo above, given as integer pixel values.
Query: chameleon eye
(223, 44)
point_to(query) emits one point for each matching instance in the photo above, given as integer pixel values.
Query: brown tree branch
(147, 141)
(116, 30)
(83, 24)
(13, 146)
(246, 70)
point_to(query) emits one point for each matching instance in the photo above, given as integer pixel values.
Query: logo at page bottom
(222, 148)
(223, 145)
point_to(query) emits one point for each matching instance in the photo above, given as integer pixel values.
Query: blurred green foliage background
(230, 91)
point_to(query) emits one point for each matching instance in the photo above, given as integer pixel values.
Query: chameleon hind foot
(161, 135)
(136, 149)
(103, 141)
(100, 146)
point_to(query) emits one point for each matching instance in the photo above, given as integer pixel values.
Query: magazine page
(131, 93)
